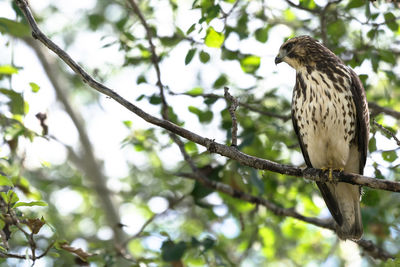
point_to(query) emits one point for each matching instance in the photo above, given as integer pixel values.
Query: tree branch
(211, 145)
(232, 108)
(376, 109)
(386, 131)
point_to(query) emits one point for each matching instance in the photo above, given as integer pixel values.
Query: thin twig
(232, 108)
(154, 58)
(385, 130)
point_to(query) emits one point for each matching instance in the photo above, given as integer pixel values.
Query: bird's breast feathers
(325, 114)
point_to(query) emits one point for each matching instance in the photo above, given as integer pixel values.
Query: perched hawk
(331, 120)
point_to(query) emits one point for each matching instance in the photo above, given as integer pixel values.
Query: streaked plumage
(331, 120)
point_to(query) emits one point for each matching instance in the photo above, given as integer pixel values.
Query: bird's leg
(330, 175)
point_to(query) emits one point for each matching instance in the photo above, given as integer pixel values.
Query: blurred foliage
(200, 227)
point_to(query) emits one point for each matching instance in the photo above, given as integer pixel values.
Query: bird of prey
(331, 120)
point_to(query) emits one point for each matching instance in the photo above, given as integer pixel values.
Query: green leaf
(389, 156)
(372, 145)
(191, 148)
(208, 243)
(220, 81)
(155, 100)
(355, 4)
(195, 91)
(128, 124)
(204, 57)
(16, 102)
(171, 251)
(14, 28)
(390, 20)
(370, 197)
(250, 64)
(190, 55)
(95, 20)
(5, 181)
(387, 56)
(289, 15)
(141, 79)
(336, 30)
(8, 70)
(2, 224)
(191, 29)
(203, 116)
(12, 196)
(35, 88)
(213, 38)
(262, 34)
(30, 204)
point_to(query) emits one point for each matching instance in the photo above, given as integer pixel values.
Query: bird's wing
(362, 120)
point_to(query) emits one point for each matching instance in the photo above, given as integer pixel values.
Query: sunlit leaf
(30, 204)
(195, 91)
(35, 88)
(214, 38)
(8, 70)
(250, 64)
(5, 181)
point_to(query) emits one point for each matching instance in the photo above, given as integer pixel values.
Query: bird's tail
(343, 201)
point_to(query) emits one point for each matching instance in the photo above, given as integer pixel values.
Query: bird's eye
(289, 46)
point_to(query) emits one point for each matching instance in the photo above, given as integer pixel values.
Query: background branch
(232, 108)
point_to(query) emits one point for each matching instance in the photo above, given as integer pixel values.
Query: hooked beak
(278, 60)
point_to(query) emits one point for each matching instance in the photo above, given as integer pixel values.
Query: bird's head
(301, 51)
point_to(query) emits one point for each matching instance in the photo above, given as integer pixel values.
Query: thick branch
(211, 145)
